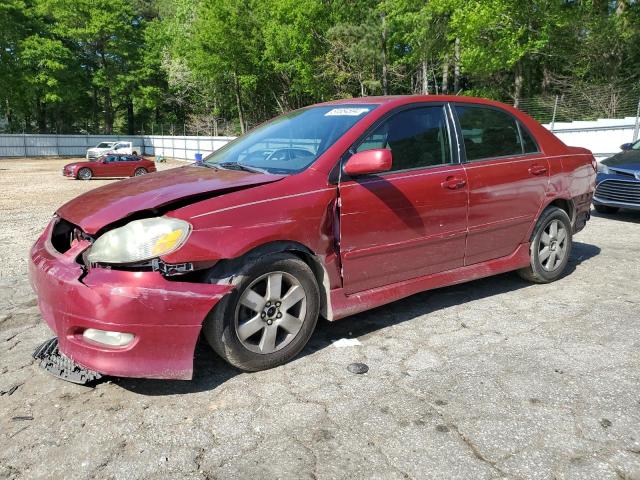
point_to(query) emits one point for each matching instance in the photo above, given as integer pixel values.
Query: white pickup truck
(113, 147)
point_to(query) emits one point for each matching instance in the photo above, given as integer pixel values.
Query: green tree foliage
(226, 65)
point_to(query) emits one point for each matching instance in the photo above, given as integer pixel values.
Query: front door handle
(453, 183)
(537, 170)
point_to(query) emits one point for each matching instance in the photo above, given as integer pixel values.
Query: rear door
(411, 221)
(128, 164)
(508, 180)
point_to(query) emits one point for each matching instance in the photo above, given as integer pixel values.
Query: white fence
(184, 148)
(603, 137)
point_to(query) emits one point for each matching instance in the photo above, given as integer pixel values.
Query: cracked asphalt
(495, 378)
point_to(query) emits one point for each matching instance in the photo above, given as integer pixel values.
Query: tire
(134, 153)
(228, 326)
(139, 171)
(605, 209)
(547, 247)
(85, 174)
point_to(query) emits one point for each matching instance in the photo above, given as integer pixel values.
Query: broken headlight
(140, 240)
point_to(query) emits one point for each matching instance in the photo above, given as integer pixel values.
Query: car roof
(398, 100)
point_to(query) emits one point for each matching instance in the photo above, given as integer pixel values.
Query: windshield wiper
(239, 166)
(208, 165)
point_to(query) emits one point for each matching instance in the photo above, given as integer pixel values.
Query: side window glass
(417, 138)
(528, 143)
(488, 133)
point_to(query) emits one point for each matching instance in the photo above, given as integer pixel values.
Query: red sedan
(328, 211)
(110, 165)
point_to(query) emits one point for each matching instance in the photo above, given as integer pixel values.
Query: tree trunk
(518, 85)
(546, 79)
(445, 75)
(425, 77)
(41, 112)
(456, 67)
(108, 112)
(236, 87)
(215, 115)
(131, 126)
(385, 67)
(8, 115)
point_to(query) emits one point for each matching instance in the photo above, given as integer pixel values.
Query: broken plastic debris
(346, 342)
(54, 362)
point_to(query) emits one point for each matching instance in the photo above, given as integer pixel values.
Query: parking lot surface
(495, 378)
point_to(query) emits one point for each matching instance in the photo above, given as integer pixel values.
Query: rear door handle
(453, 183)
(537, 170)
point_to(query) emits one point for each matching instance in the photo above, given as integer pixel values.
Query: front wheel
(139, 171)
(85, 174)
(605, 209)
(550, 247)
(269, 317)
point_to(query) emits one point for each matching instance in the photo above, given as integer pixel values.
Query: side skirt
(344, 305)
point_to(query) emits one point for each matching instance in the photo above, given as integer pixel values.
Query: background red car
(111, 165)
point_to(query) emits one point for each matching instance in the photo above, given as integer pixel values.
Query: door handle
(537, 170)
(453, 183)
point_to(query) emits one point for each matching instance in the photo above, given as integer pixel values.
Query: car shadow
(631, 216)
(210, 371)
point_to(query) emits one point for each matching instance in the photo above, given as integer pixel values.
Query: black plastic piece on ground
(54, 362)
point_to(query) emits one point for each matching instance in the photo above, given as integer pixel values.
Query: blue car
(618, 181)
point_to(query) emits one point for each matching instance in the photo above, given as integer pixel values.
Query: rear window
(491, 133)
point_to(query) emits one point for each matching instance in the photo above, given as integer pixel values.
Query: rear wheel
(139, 171)
(550, 247)
(269, 317)
(605, 209)
(85, 174)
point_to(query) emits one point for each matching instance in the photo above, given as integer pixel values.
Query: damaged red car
(326, 211)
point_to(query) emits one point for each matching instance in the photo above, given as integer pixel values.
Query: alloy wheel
(270, 312)
(553, 245)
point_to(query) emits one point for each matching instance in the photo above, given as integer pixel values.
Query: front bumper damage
(164, 316)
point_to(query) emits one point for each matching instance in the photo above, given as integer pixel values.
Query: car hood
(629, 160)
(98, 208)
(76, 164)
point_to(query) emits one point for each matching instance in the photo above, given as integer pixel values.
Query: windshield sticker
(346, 112)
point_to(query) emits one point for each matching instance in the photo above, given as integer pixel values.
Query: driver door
(411, 221)
(109, 167)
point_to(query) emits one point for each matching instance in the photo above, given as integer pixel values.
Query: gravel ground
(492, 379)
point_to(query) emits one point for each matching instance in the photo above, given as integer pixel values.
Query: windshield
(104, 145)
(291, 142)
(636, 146)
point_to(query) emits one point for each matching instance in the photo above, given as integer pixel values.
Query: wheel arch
(84, 168)
(226, 268)
(564, 204)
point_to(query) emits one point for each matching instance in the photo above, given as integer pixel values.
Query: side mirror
(369, 162)
(626, 146)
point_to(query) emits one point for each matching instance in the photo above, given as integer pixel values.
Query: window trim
(519, 125)
(337, 174)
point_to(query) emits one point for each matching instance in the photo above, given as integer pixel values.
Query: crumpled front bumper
(165, 316)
